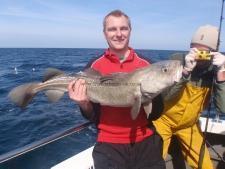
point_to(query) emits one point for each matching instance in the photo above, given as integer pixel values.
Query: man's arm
(219, 95)
(219, 87)
(219, 62)
(221, 76)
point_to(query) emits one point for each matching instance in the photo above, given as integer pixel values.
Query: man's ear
(104, 33)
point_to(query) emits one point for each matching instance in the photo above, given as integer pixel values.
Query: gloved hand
(190, 61)
(218, 60)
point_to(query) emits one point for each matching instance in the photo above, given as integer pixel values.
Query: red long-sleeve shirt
(115, 123)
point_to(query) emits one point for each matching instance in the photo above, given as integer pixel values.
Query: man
(182, 110)
(122, 143)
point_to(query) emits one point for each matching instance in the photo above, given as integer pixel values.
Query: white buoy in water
(15, 69)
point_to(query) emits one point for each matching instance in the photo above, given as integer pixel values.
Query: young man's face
(117, 32)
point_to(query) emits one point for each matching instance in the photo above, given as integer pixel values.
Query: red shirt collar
(114, 58)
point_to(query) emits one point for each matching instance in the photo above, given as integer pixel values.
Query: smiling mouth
(119, 41)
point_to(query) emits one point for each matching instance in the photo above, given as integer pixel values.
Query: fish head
(161, 75)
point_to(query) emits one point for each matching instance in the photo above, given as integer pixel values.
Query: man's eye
(124, 28)
(111, 29)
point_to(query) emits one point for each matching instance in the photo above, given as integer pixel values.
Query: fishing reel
(203, 55)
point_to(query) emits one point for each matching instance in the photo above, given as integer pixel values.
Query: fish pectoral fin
(54, 95)
(136, 107)
(148, 108)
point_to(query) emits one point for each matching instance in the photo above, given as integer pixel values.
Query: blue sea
(40, 119)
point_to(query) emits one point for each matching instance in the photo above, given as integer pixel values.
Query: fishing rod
(30, 147)
(220, 26)
(202, 149)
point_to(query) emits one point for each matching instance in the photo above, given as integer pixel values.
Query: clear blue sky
(157, 24)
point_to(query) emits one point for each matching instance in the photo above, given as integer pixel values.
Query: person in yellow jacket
(182, 109)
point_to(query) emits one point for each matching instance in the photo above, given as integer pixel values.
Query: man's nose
(118, 32)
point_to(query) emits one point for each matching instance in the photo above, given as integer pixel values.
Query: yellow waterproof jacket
(184, 102)
(184, 110)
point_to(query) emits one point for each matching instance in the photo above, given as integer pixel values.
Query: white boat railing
(30, 147)
(215, 125)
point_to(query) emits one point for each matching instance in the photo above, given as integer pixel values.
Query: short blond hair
(116, 13)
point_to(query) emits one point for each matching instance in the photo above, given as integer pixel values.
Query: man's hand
(78, 92)
(190, 61)
(218, 60)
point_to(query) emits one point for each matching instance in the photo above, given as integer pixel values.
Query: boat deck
(215, 143)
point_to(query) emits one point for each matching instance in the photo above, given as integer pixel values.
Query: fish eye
(164, 69)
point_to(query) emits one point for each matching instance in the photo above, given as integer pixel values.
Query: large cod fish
(118, 89)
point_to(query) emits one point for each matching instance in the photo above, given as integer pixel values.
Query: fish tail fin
(23, 94)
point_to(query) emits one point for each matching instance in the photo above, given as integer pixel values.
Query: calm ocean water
(41, 118)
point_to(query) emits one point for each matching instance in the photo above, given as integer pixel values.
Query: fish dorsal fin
(91, 72)
(52, 72)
